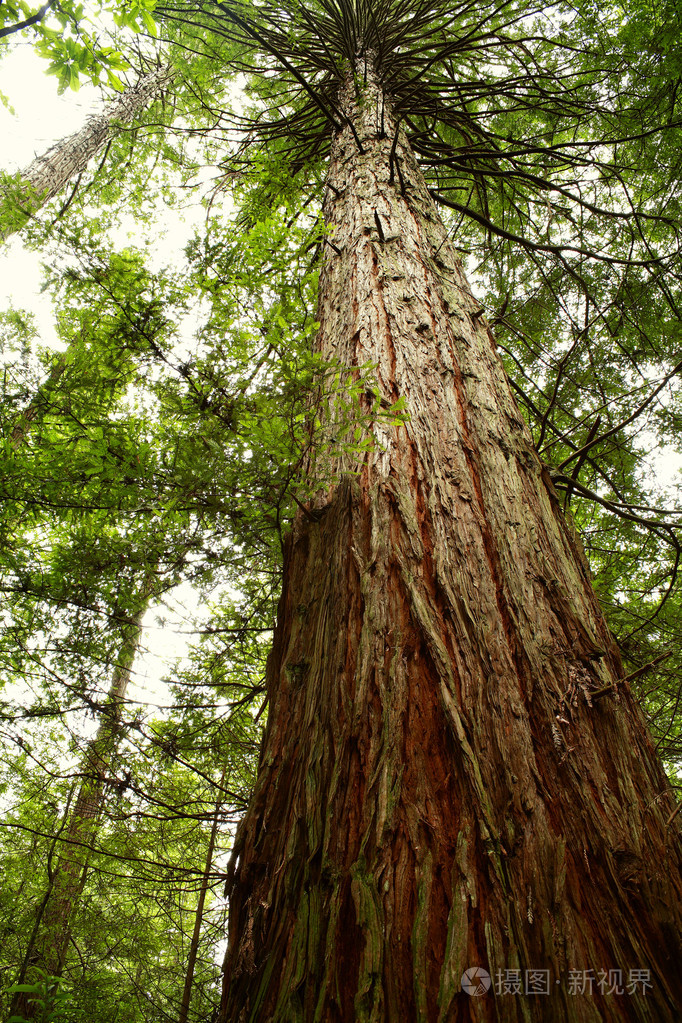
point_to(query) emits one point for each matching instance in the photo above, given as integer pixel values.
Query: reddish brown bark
(438, 789)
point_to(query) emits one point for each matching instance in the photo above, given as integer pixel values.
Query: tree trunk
(199, 914)
(48, 174)
(39, 403)
(451, 776)
(49, 943)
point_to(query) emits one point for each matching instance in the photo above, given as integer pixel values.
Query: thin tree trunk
(47, 950)
(39, 403)
(48, 174)
(199, 914)
(438, 789)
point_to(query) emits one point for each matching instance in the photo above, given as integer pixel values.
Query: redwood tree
(454, 773)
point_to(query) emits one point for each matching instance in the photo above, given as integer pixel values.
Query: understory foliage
(152, 464)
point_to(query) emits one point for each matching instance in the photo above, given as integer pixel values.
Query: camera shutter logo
(475, 980)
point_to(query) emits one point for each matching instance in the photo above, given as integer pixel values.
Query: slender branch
(33, 20)
(625, 422)
(631, 677)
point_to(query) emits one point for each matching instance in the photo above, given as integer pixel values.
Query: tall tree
(47, 947)
(51, 172)
(454, 773)
(470, 648)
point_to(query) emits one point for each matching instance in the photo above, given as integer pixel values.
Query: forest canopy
(154, 461)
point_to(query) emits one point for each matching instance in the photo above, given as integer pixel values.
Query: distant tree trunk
(39, 403)
(199, 913)
(48, 174)
(451, 776)
(49, 942)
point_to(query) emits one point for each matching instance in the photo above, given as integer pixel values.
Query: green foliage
(71, 39)
(168, 447)
(73, 57)
(48, 995)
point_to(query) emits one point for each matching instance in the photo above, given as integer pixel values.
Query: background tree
(49, 173)
(536, 177)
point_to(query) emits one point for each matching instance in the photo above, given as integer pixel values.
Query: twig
(633, 675)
